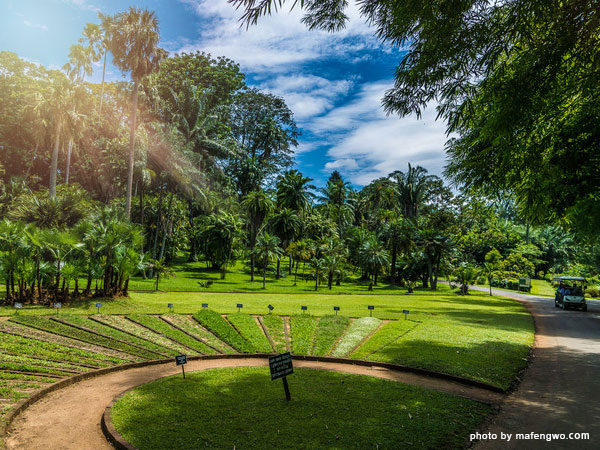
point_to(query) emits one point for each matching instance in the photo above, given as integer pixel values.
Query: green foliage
(388, 333)
(275, 327)
(519, 264)
(214, 322)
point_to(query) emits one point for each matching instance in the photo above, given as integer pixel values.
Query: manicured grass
(213, 321)
(356, 332)
(329, 330)
(191, 274)
(275, 327)
(251, 331)
(42, 363)
(22, 367)
(162, 327)
(51, 326)
(243, 408)
(140, 347)
(302, 330)
(22, 377)
(129, 327)
(385, 335)
(26, 346)
(191, 326)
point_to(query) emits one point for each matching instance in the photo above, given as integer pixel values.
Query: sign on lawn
(205, 305)
(271, 307)
(181, 360)
(18, 305)
(239, 306)
(406, 312)
(98, 305)
(58, 305)
(304, 308)
(281, 365)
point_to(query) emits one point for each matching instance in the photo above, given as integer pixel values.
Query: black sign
(239, 305)
(98, 305)
(205, 305)
(336, 308)
(271, 307)
(181, 359)
(281, 365)
(406, 311)
(370, 307)
(304, 308)
(170, 305)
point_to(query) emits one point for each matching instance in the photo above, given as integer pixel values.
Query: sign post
(406, 312)
(239, 307)
(303, 308)
(181, 360)
(336, 309)
(281, 366)
(98, 305)
(205, 305)
(170, 305)
(271, 308)
(371, 308)
(18, 306)
(57, 306)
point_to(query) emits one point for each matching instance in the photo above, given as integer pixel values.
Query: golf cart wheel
(584, 308)
(556, 305)
(563, 306)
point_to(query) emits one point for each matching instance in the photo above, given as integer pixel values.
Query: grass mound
(243, 408)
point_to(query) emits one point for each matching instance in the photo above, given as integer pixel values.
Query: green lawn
(243, 408)
(189, 275)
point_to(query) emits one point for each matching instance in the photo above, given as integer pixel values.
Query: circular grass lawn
(242, 408)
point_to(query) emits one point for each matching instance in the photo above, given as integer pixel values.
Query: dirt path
(70, 418)
(560, 391)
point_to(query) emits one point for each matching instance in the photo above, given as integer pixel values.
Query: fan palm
(258, 206)
(398, 236)
(267, 249)
(373, 258)
(293, 191)
(134, 45)
(285, 223)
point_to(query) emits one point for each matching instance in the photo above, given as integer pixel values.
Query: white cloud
(366, 144)
(35, 25)
(277, 41)
(83, 4)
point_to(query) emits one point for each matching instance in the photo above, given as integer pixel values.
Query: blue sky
(333, 82)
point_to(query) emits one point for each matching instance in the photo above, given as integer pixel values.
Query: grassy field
(242, 408)
(191, 275)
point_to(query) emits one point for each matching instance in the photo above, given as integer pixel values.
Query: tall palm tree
(397, 234)
(134, 45)
(293, 191)
(412, 189)
(285, 223)
(267, 249)
(258, 206)
(373, 258)
(106, 27)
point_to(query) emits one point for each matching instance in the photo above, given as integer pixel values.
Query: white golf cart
(570, 293)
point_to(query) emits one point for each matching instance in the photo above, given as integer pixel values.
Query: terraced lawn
(250, 330)
(214, 322)
(302, 331)
(358, 331)
(329, 330)
(276, 328)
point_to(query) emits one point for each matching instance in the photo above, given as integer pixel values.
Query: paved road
(560, 391)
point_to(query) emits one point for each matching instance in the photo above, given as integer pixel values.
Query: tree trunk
(103, 73)
(316, 280)
(54, 161)
(265, 273)
(393, 265)
(158, 225)
(69, 153)
(330, 280)
(252, 263)
(131, 149)
(278, 268)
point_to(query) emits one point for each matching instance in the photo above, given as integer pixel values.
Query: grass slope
(302, 330)
(191, 326)
(356, 332)
(213, 321)
(275, 327)
(329, 330)
(242, 408)
(251, 331)
(162, 327)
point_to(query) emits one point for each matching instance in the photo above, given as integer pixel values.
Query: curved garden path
(560, 390)
(69, 418)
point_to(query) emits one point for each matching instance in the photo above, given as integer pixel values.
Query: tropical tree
(374, 258)
(267, 249)
(258, 206)
(293, 191)
(221, 234)
(134, 45)
(398, 236)
(412, 188)
(161, 270)
(285, 224)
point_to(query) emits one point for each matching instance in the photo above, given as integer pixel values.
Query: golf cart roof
(568, 279)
